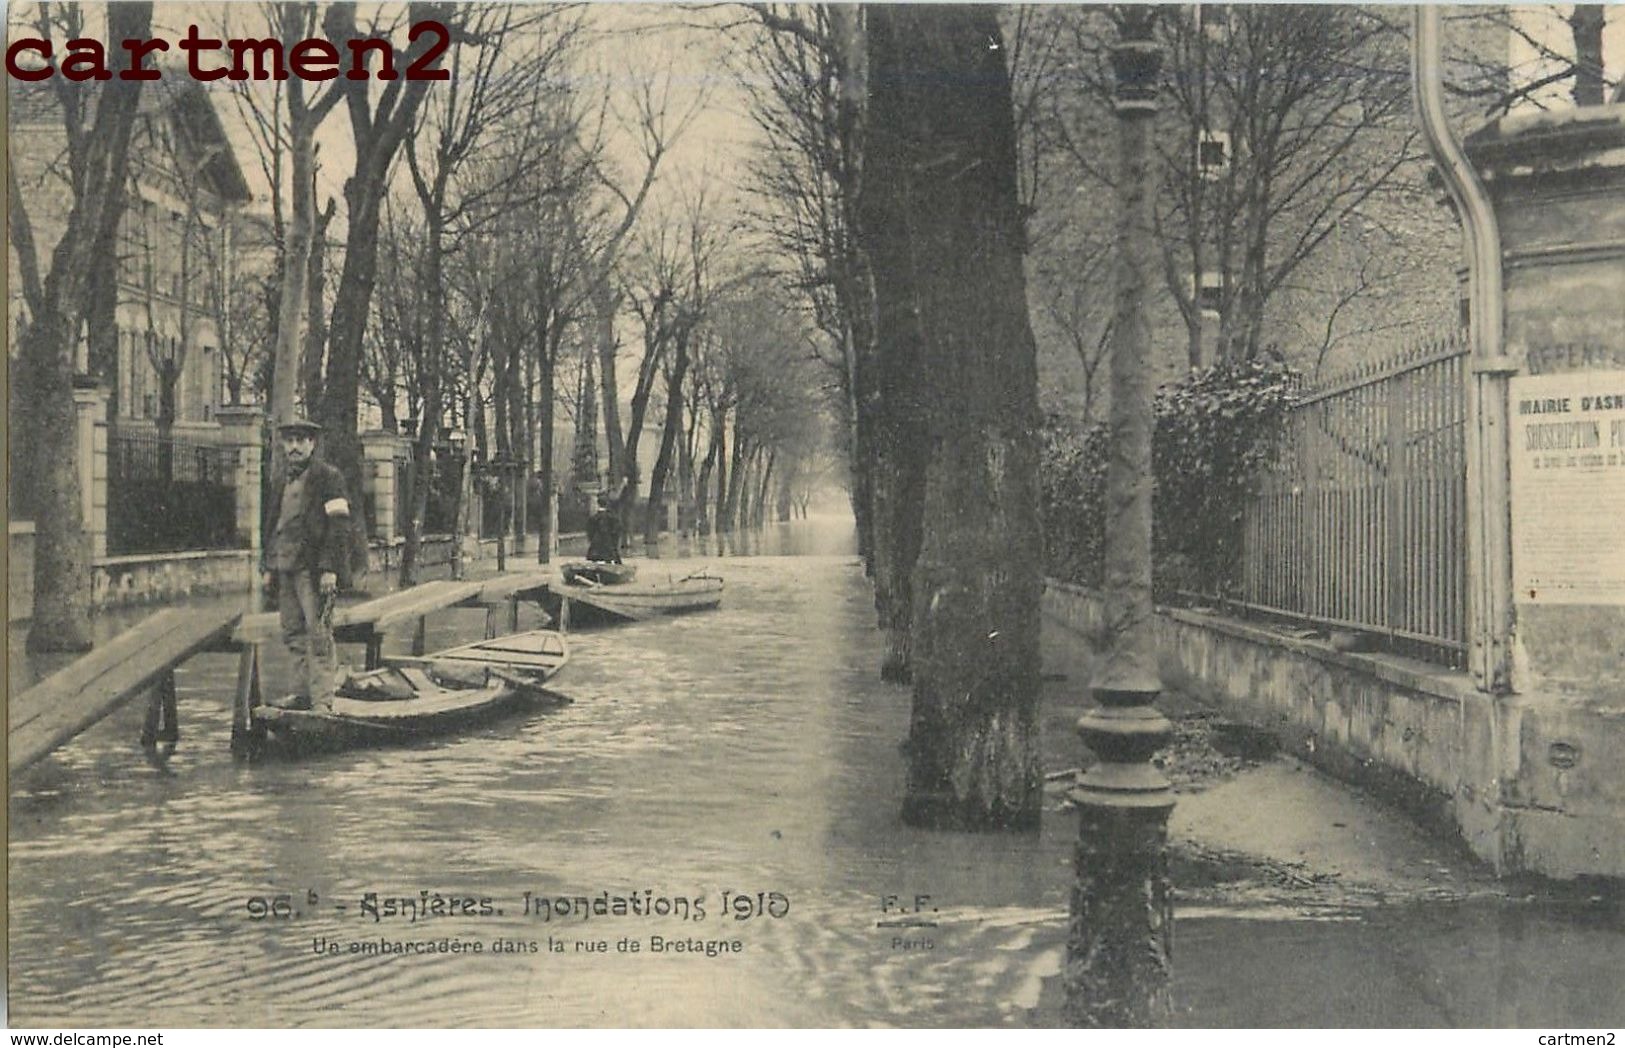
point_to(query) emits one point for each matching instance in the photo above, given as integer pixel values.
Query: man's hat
(299, 424)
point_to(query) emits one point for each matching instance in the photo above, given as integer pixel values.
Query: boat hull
(634, 602)
(414, 698)
(353, 723)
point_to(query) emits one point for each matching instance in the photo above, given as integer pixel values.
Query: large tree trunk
(62, 584)
(887, 211)
(942, 133)
(101, 332)
(378, 134)
(341, 444)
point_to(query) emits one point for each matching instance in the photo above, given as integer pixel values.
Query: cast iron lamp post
(1117, 960)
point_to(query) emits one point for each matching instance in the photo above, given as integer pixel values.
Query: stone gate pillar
(242, 428)
(90, 453)
(1553, 795)
(378, 450)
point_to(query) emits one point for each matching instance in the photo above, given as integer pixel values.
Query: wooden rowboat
(584, 603)
(415, 698)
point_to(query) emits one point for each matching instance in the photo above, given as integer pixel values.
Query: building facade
(174, 253)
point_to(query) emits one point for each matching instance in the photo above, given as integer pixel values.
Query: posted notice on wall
(1568, 488)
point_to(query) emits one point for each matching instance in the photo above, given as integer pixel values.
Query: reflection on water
(748, 751)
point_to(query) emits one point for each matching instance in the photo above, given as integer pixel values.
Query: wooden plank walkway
(366, 622)
(507, 590)
(144, 657)
(359, 622)
(82, 693)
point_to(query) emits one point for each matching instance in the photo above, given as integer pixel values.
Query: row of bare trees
(492, 242)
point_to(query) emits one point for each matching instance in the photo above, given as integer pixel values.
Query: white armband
(336, 507)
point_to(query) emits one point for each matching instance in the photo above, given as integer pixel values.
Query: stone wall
(156, 578)
(1530, 785)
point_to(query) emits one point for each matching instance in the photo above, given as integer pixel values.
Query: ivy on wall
(1217, 430)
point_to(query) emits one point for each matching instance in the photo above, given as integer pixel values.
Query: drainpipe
(1489, 550)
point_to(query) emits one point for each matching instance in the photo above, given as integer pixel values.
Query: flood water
(730, 780)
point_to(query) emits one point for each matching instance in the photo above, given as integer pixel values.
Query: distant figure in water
(604, 534)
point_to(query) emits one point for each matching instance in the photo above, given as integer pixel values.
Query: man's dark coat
(325, 523)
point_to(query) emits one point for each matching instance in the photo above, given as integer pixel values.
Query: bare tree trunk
(942, 134)
(315, 338)
(544, 426)
(759, 513)
(518, 388)
(685, 468)
(668, 442)
(702, 488)
(293, 301)
(719, 513)
(605, 303)
(527, 459)
(584, 457)
(378, 134)
(736, 481)
(62, 583)
(858, 287)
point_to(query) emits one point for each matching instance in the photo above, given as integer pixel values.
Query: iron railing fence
(1360, 526)
(405, 477)
(166, 496)
(445, 478)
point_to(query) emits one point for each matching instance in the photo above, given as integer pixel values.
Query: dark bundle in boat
(597, 573)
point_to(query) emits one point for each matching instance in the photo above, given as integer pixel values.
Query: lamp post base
(1119, 945)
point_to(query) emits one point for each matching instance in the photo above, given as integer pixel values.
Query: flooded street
(728, 781)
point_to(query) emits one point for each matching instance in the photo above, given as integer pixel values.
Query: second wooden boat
(583, 603)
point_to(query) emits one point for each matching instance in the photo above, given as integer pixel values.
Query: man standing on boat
(306, 549)
(604, 533)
